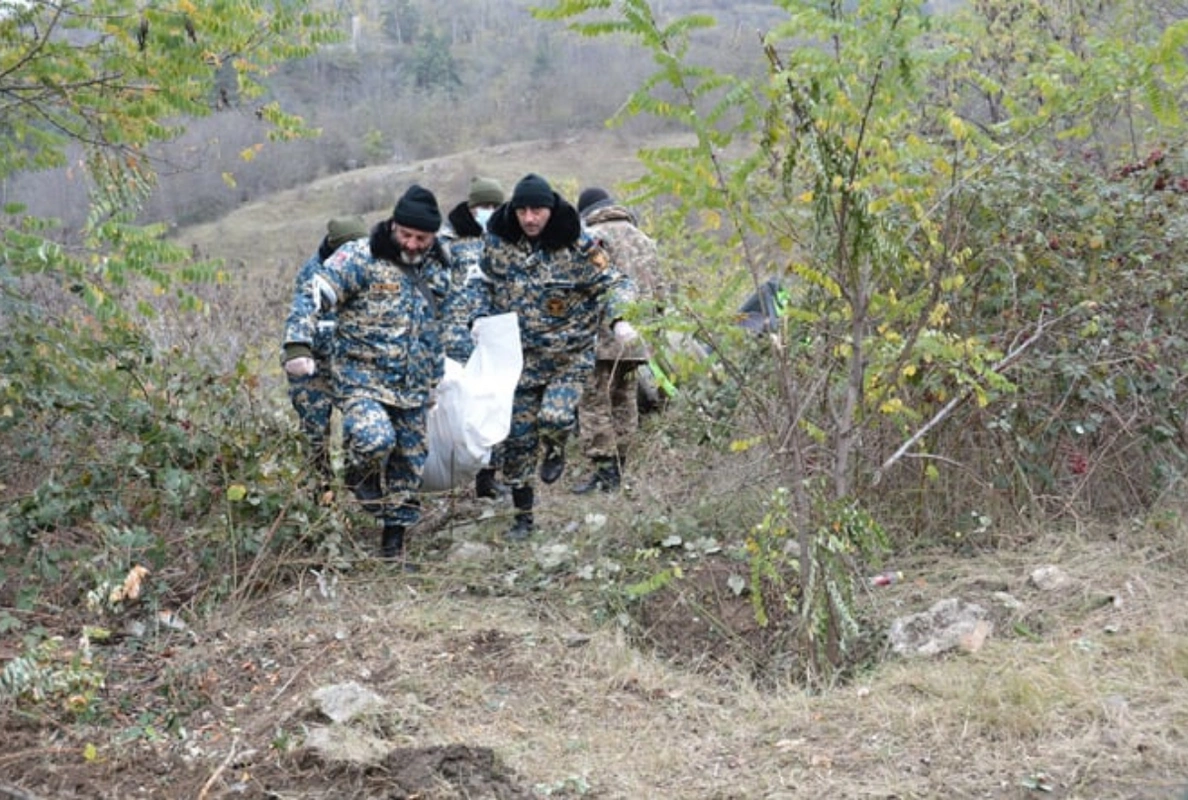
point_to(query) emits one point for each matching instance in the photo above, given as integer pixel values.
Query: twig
(293, 677)
(218, 771)
(1040, 328)
(10, 792)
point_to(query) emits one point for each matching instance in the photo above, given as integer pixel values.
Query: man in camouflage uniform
(310, 394)
(609, 410)
(559, 283)
(389, 292)
(462, 237)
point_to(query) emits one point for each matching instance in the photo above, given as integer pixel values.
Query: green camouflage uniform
(609, 410)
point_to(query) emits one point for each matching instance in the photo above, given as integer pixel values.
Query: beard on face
(410, 258)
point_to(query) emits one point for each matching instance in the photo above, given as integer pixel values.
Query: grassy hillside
(287, 225)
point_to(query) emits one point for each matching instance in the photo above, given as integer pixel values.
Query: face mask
(482, 215)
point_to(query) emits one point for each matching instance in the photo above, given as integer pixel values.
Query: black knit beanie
(532, 191)
(589, 197)
(417, 209)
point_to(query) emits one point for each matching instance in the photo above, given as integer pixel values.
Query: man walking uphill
(560, 283)
(609, 410)
(310, 394)
(463, 239)
(388, 291)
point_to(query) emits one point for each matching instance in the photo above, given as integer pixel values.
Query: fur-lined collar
(463, 222)
(562, 230)
(382, 246)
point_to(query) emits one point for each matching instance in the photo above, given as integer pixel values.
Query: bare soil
(502, 680)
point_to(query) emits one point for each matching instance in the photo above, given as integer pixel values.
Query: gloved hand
(300, 367)
(625, 332)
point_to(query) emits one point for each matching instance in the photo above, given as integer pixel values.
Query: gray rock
(948, 625)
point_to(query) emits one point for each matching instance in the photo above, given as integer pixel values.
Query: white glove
(625, 333)
(300, 367)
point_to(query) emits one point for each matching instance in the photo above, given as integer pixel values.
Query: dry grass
(1094, 708)
(1079, 693)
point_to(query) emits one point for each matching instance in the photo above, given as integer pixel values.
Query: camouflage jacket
(324, 334)
(634, 254)
(560, 285)
(387, 344)
(462, 238)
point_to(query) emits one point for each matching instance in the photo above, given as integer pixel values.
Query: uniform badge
(556, 306)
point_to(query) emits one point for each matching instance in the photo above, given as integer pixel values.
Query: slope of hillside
(287, 225)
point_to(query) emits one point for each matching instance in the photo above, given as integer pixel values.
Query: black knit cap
(590, 196)
(417, 209)
(532, 191)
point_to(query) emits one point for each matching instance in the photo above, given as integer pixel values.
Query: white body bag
(474, 405)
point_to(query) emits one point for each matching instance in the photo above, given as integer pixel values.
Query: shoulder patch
(598, 257)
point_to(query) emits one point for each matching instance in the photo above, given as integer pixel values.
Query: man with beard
(389, 292)
(560, 283)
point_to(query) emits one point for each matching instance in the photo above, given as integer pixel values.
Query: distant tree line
(411, 80)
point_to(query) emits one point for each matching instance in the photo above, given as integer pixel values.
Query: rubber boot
(523, 498)
(605, 478)
(554, 462)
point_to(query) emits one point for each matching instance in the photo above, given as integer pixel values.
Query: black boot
(365, 483)
(523, 498)
(605, 478)
(392, 543)
(554, 461)
(485, 485)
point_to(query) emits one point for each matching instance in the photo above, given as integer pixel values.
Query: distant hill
(264, 242)
(281, 230)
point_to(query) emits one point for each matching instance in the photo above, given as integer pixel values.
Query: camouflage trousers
(313, 401)
(608, 413)
(386, 449)
(539, 414)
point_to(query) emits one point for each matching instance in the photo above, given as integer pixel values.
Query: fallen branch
(218, 771)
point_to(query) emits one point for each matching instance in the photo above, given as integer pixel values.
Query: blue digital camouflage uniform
(462, 239)
(559, 285)
(387, 357)
(311, 395)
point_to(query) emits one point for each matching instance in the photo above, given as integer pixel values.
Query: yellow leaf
(807, 197)
(711, 219)
(236, 492)
(1096, 241)
(229, 179)
(743, 445)
(90, 752)
(909, 370)
(957, 127)
(931, 472)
